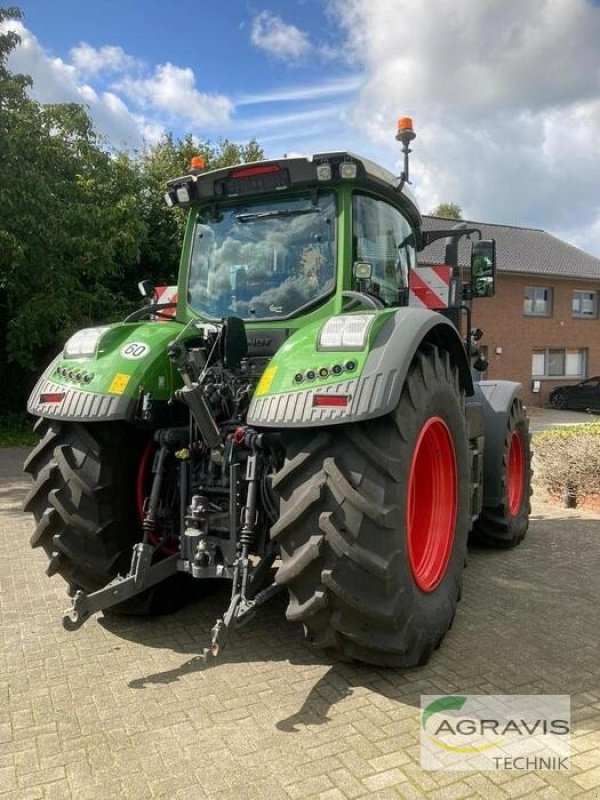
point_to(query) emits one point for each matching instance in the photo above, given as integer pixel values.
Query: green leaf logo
(450, 703)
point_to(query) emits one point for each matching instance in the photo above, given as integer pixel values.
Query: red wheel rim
(516, 474)
(432, 504)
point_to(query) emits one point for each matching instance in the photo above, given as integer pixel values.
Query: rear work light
(183, 195)
(324, 172)
(345, 332)
(180, 194)
(348, 170)
(84, 343)
(330, 400)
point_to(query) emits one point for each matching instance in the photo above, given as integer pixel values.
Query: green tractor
(299, 419)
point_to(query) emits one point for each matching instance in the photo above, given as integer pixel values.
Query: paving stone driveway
(123, 707)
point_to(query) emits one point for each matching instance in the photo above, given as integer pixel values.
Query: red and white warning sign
(166, 294)
(429, 287)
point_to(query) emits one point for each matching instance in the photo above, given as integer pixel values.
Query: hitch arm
(140, 577)
(242, 604)
(240, 612)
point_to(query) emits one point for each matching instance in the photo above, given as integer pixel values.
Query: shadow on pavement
(528, 624)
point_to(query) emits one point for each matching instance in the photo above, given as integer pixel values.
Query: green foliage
(68, 222)
(568, 432)
(80, 225)
(568, 458)
(16, 430)
(447, 210)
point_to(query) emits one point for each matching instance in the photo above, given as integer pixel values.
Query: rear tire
(371, 557)
(505, 525)
(83, 501)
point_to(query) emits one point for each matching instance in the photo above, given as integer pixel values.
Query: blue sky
(505, 94)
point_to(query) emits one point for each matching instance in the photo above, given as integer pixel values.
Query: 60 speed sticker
(134, 350)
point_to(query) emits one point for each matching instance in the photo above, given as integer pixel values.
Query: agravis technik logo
(491, 732)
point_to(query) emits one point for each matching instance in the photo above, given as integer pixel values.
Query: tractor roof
(262, 177)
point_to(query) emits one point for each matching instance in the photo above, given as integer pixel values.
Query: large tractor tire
(374, 521)
(83, 499)
(505, 525)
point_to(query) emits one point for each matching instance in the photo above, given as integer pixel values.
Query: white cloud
(172, 90)
(283, 41)
(276, 127)
(504, 94)
(55, 81)
(313, 91)
(136, 109)
(90, 60)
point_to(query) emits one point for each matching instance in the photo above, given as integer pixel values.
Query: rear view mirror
(146, 289)
(483, 268)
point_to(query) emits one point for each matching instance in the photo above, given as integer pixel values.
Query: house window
(537, 301)
(585, 304)
(558, 362)
(555, 362)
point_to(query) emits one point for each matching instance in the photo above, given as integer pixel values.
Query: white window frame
(580, 352)
(535, 301)
(580, 314)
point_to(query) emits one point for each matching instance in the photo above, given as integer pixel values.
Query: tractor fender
(129, 358)
(496, 399)
(376, 390)
(387, 365)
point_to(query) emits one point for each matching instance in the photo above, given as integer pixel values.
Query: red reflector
(247, 172)
(52, 397)
(330, 400)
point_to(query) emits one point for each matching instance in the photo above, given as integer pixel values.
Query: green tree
(79, 223)
(68, 220)
(447, 210)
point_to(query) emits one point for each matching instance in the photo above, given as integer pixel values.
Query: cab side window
(383, 237)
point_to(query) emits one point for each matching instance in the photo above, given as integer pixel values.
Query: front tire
(506, 524)
(374, 521)
(83, 499)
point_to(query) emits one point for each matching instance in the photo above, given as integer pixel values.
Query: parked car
(582, 395)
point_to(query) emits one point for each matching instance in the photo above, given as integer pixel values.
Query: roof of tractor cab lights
(374, 171)
(523, 251)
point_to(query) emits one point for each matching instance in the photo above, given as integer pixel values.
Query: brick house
(542, 328)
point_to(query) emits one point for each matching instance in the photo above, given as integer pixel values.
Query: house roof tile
(527, 251)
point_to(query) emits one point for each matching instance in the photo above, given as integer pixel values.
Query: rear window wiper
(258, 215)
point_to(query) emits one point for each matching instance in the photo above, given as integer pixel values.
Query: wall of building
(511, 337)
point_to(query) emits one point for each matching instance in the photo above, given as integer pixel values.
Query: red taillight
(330, 400)
(248, 172)
(52, 397)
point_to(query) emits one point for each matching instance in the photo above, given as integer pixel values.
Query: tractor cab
(275, 241)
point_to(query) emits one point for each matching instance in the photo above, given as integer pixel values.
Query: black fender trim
(496, 399)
